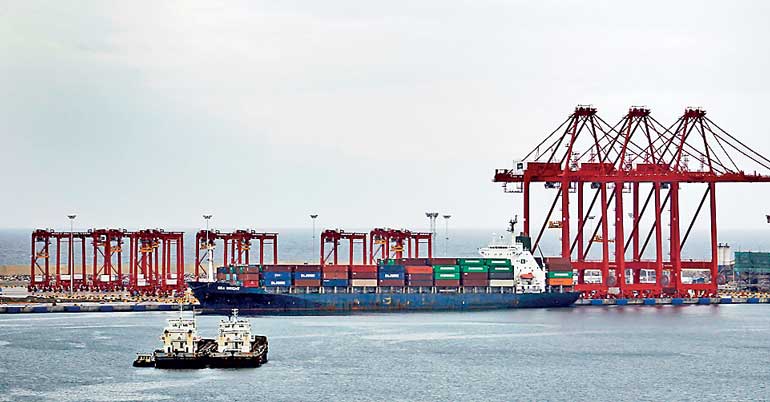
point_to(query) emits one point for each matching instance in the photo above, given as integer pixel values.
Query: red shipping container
(335, 275)
(251, 284)
(474, 276)
(420, 283)
(414, 261)
(335, 268)
(308, 268)
(277, 268)
(419, 277)
(391, 282)
(248, 277)
(476, 282)
(443, 261)
(363, 268)
(308, 282)
(419, 269)
(363, 275)
(447, 282)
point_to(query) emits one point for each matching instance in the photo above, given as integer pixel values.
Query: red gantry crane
(601, 167)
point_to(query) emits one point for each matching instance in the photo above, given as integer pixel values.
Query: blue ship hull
(220, 298)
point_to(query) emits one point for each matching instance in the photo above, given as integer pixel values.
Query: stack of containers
(307, 275)
(500, 272)
(335, 275)
(559, 272)
(391, 275)
(363, 275)
(446, 275)
(474, 272)
(276, 275)
(419, 275)
(250, 276)
(222, 273)
(233, 274)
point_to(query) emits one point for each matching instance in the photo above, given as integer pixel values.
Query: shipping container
(560, 274)
(335, 268)
(483, 268)
(560, 281)
(307, 282)
(307, 268)
(443, 261)
(276, 276)
(415, 284)
(455, 276)
(391, 268)
(363, 268)
(277, 268)
(476, 282)
(391, 282)
(391, 276)
(363, 282)
(335, 275)
(501, 275)
(446, 268)
(475, 276)
(501, 282)
(307, 276)
(335, 282)
(414, 261)
(251, 284)
(447, 283)
(558, 264)
(422, 269)
(471, 262)
(497, 262)
(500, 269)
(363, 275)
(248, 277)
(277, 282)
(419, 277)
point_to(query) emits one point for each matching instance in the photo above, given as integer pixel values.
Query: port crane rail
(635, 156)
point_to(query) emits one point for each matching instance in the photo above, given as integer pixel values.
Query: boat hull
(220, 298)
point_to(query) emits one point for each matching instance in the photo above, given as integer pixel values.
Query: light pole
(446, 234)
(313, 217)
(71, 259)
(209, 272)
(432, 218)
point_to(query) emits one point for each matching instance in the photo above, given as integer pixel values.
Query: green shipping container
(454, 276)
(471, 262)
(466, 268)
(500, 269)
(567, 274)
(454, 269)
(497, 262)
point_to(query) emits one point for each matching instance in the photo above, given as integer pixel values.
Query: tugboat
(235, 347)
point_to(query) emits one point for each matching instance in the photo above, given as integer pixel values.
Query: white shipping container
(171, 282)
(140, 276)
(363, 282)
(107, 278)
(38, 278)
(141, 282)
(78, 277)
(64, 277)
(501, 282)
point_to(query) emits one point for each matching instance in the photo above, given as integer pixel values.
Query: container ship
(506, 275)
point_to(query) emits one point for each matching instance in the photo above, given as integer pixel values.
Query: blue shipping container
(335, 282)
(285, 276)
(277, 282)
(391, 268)
(396, 276)
(307, 275)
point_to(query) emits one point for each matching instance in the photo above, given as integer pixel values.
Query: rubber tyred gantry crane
(640, 159)
(156, 261)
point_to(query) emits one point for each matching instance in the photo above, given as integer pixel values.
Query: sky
(149, 113)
